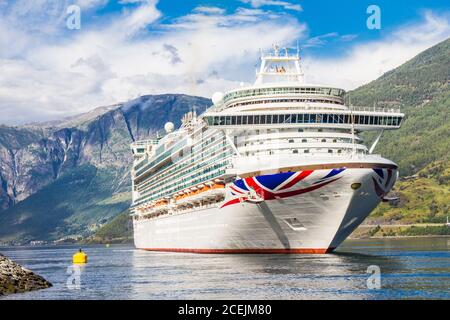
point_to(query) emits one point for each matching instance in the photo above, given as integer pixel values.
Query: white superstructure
(276, 167)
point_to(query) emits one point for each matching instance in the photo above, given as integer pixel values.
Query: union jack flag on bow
(277, 186)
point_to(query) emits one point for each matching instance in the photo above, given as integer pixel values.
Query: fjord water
(413, 268)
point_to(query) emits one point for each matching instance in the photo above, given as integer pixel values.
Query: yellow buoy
(80, 257)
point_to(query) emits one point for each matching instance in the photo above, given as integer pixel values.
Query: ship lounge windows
(303, 118)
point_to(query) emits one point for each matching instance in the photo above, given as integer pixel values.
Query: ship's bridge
(280, 96)
(279, 66)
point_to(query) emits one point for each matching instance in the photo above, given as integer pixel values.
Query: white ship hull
(276, 167)
(312, 216)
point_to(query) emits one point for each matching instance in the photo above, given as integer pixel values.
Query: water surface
(413, 268)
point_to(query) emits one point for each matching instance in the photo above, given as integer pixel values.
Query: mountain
(421, 87)
(69, 177)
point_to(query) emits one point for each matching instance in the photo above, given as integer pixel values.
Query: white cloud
(50, 73)
(202, 52)
(89, 4)
(367, 61)
(210, 10)
(283, 4)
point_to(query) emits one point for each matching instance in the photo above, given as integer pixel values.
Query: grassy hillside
(120, 229)
(421, 87)
(424, 197)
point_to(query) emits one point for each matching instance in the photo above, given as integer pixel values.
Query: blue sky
(127, 48)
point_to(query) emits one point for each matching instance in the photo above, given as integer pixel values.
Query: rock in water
(15, 278)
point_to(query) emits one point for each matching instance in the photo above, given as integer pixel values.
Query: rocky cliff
(15, 278)
(53, 174)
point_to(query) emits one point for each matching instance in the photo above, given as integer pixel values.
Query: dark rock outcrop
(15, 278)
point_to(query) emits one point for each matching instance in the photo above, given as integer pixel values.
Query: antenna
(353, 130)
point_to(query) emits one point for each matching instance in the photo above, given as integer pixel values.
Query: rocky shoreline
(16, 279)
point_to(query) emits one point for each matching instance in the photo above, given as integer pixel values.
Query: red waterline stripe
(245, 251)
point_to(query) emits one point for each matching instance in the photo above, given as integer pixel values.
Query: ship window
(324, 140)
(250, 119)
(306, 151)
(330, 151)
(244, 119)
(320, 130)
(294, 151)
(304, 140)
(334, 140)
(262, 119)
(239, 120)
(300, 130)
(339, 151)
(256, 120)
(233, 120)
(294, 118)
(291, 140)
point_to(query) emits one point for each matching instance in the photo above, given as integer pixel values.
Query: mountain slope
(421, 87)
(68, 177)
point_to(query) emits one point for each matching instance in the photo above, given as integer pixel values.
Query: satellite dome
(169, 127)
(217, 97)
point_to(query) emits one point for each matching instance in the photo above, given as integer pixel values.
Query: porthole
(355, 186)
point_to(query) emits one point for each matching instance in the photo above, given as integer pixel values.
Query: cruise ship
(275, 167)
